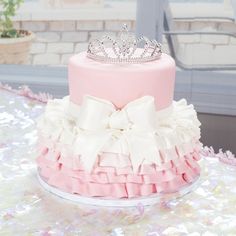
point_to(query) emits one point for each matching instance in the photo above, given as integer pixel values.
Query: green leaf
(12, 33)
(9, 8)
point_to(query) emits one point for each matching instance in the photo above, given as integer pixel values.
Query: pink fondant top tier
(121, 84)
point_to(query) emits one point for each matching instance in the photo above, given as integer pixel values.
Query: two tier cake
(119, 134)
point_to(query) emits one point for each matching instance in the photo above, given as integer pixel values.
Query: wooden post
(149, 19)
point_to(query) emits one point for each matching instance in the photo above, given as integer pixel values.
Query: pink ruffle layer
(115, 178)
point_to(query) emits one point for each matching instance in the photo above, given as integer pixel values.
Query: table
(27, 209)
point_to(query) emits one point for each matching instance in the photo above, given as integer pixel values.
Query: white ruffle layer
(176, 127)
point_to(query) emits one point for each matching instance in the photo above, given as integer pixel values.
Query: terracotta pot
(16, 50)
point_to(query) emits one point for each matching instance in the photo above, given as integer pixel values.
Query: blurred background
(199, 34)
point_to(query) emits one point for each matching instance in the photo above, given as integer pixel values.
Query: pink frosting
(121, 84)
(113, 181)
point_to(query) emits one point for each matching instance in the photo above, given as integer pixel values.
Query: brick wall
(57, 41)
(205, 49)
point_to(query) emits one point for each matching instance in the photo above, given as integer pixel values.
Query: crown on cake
(125, 48)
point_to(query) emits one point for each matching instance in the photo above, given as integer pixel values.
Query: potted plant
(15, 44)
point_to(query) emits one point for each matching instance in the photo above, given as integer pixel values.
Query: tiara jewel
(125, 48)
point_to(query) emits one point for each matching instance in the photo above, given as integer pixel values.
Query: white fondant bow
(133, 127)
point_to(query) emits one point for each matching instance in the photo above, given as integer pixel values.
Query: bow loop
(142, 113)
(94, 113)
(134, 126)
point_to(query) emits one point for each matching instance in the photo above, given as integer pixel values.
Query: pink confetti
(27, 92)
(208, 152)
(140, 208)
(8, 216)
(227, 157)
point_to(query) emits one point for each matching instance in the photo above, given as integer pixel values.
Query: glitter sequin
(27, 209)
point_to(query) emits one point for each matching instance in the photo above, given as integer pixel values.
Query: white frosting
(137, 130)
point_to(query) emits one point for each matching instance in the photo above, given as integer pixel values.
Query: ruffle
(113, 175)
(118, 182)
(63, 154)
(176, 133)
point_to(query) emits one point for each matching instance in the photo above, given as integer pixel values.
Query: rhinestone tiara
(125, 48)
